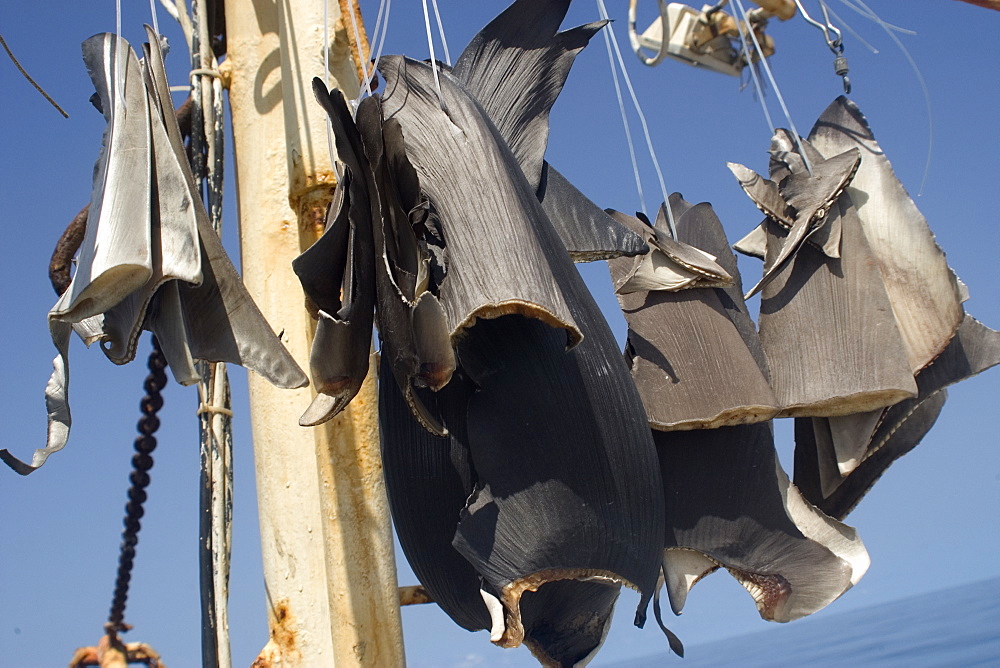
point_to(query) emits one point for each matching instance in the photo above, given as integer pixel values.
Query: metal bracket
(709, 38)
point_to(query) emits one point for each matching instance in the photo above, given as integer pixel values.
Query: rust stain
(348, 7)
(414, 595)
(282, 648)
(283, 629)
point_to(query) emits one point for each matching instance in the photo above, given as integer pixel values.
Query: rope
(215, 439)
(142, 461)
(204, 408)
(30, 80)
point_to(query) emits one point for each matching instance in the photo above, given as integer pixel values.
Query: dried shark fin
(485, 207)
(428, 479)
(56, 404)
(567, 621)
(583, 510)
(166, 317)
(402, 268)
(175, 245)
(905, 435)
(924, 293)
(787, 168)
(669, 266)
(588, 233)
(685, 381)
(322, 267)
(793, 559)
(825, 323)
(107, 269)
(811, 196)
(115, 258)
(754, 243)
(699, 226)
(338, 276)
(764, 193)
(223, 322)
(897, 428)
(515, 68)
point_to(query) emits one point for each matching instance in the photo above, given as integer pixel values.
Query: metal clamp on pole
(708, 38)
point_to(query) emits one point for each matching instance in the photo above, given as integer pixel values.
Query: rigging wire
(891, 30)
(430, 46)
(755, 76)
(156, 23)
(119, 73)
(774, 85)
(357, 41)
(326, 82)
(854, 33)
(444, 41)
(612, 41)
(383, 23)
(628, 131)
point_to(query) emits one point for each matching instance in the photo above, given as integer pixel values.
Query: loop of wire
(836, 43)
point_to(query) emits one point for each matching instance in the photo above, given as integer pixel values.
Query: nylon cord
(628, 131)
(758, 86)
(156, 23)
(774, 84)
(430, 46)
(612, 41)
(890, 30)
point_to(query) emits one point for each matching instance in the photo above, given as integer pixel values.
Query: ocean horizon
(959, 626)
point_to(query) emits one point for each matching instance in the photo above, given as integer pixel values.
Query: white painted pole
(325, 529)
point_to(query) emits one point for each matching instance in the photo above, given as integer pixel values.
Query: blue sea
(954, 627)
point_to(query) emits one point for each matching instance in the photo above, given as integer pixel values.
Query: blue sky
(929, 524)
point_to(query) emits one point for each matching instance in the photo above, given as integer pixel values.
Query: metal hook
(633, 34)
(835, 43)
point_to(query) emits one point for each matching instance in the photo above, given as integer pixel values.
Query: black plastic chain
(142, 461)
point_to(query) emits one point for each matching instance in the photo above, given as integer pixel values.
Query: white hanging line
(444, 41)
(754, 75)
(326, 43)
(357, 42)
(120, 60)
(758, 86)
(854, 33)
(156, 23)
(872, 16)
(612, 41)
(628, 130)
(326, 82)
(430, 46)
(381, 28)
(774, 85)
(891, 31)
